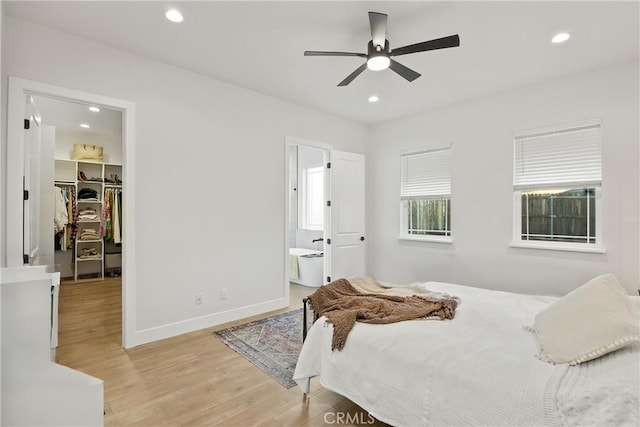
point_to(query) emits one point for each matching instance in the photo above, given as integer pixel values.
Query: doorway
(87, 236)
(308, 220)
(19, 90)
(343, 204)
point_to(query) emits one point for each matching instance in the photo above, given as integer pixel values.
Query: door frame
(18, 89)
(289, 142)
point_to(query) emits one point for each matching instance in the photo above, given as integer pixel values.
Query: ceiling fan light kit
(379, 54)
(378, 58)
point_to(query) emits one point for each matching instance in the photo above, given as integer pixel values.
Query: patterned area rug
(272, 344)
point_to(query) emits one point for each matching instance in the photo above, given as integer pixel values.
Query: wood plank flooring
(189, 380)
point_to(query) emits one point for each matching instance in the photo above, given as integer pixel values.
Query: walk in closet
(88, 218)
(87, 162)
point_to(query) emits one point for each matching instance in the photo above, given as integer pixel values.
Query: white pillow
(591, 321)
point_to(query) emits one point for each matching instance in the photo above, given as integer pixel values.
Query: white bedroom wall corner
(189, 126)
(482, 175)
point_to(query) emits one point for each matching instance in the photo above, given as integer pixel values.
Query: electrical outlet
(223, 294)
(199, 299)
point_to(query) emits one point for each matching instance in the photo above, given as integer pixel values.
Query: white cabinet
(35, 390)
(91, 181)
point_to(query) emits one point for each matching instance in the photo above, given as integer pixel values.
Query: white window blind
(426, 174)
(570, 156)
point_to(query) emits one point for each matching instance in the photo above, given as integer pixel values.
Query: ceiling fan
(379, 54)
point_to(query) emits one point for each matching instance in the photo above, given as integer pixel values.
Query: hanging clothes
(117, 217)
(111, 218)
(74, 222)
(64, 220)
(105, 216)
(105, 226)
(61, 216)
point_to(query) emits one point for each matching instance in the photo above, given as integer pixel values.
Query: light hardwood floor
(189, 380)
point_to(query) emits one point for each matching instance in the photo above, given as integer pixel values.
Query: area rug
(272, 344)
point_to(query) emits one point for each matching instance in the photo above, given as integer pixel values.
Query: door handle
(362, 238)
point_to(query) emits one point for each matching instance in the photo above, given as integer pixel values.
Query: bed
(479, 368)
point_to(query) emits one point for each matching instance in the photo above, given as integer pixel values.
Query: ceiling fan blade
(353, 75)
(442, 43)
(319, 53)
(378, 23)
(405, 72)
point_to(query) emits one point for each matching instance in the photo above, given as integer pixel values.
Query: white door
(346, 249)
(47, 175)
(31, 188)
(37, 188)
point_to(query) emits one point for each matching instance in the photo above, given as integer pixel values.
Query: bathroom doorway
(308, 219)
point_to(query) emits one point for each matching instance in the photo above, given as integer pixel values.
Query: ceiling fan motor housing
(373, 50)
(378, 56)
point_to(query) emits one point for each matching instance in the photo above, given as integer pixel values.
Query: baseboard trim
(157, 333)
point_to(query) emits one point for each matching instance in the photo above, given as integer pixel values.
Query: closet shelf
(100, 177)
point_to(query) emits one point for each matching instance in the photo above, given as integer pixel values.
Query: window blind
(426, 174)
(568, 157)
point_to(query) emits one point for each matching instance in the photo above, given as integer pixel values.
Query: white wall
(308, 157)
(112, 150)
(210, 161)
(481, 133)
(3, 152)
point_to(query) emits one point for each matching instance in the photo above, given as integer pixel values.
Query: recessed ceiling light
(560, 38)
(373, 98)
(94, 109)
(174, 15)
(84, 125)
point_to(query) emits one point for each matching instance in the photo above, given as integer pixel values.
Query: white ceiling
(67, 116)
(260, 45)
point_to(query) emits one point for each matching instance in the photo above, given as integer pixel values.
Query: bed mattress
(478, 369)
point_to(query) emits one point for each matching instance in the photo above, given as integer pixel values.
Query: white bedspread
(477, 369)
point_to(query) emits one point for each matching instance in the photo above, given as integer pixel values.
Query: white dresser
(35, 391)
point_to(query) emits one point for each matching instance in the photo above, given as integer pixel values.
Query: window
(425, 193)
(313, 198)
(556, 184)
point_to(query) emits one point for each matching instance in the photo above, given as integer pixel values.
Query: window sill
(432, 239)
(595, 249)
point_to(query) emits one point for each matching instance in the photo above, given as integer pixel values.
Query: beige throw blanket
(343, 304)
